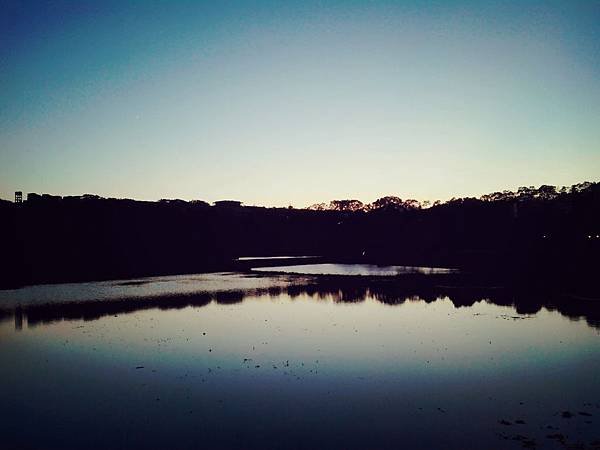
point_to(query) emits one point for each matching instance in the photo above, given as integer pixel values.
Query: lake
(354, 269)
(234, 360)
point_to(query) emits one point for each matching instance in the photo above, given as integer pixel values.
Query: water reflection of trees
(335, 290)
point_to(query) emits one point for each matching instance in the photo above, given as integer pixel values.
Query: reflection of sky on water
(139, 288)
(272, 258)
(330, 374)
(192, 284)
(354, 269)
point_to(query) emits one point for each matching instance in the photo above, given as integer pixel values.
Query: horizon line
(326, 202)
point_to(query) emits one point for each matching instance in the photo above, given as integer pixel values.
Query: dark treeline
(532, 235)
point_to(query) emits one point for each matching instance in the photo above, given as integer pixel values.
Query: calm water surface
(354, 269)
(273, 258)
(290, 366)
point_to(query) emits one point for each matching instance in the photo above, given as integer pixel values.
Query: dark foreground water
(233, 361)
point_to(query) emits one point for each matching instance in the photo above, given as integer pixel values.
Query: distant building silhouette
(18, 197)
(34, 197)
(228, 203)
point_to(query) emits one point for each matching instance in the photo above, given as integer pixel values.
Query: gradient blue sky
(279, 103)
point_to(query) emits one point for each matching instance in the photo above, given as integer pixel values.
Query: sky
(282, 103)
